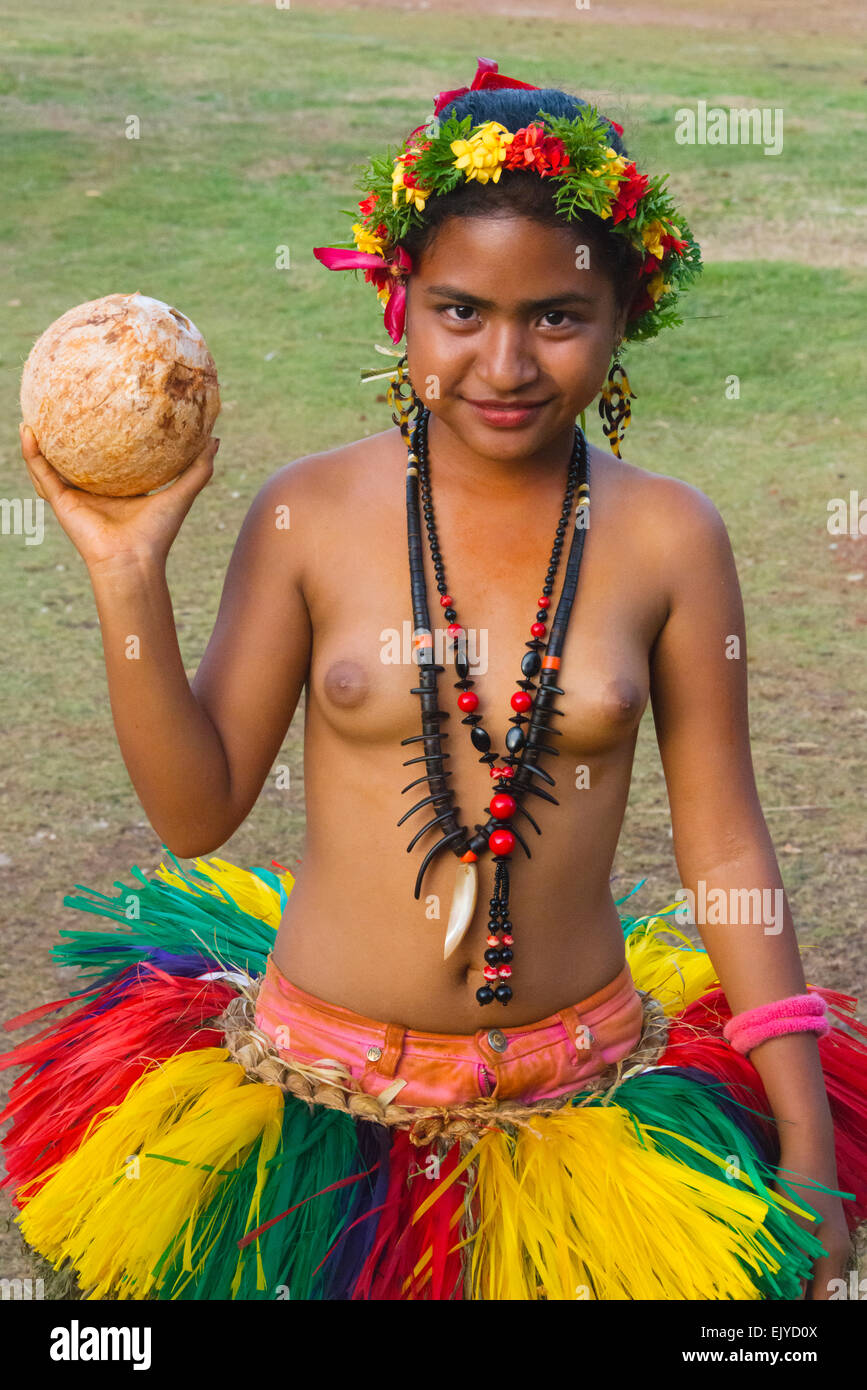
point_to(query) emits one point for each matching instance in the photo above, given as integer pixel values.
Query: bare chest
(362, 668)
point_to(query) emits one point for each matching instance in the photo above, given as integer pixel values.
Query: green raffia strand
(630, 925)
(319, 1147)
(171, 919)
(688, 1108)
(182, 923)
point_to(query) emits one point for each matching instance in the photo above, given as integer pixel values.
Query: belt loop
(578, 1034)
(392, 1052)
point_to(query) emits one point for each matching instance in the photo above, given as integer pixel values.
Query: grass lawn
(252, 120)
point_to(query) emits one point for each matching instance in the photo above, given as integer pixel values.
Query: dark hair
(523, 192)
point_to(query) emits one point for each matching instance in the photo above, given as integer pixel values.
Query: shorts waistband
(392, 1039)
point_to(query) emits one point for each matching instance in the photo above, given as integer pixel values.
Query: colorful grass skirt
(159, 1153)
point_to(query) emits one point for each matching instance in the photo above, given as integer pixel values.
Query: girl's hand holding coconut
(118, 398)
(111, 532)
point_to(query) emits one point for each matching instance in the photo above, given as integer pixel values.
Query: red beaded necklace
(515, 776)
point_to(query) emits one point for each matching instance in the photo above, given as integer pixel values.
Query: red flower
(614, 125)
(671, 243)
(367, 204)
(533, 149)
(378, 277)
(640, 303)
(629, 193)
(391, 273)
(411, 151)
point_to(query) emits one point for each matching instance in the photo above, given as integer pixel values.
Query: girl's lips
(507, 417)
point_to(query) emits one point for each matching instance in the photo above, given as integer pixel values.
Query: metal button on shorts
(374, 1054)
(497, 1040)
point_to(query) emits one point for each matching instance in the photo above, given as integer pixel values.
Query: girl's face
(499, 311)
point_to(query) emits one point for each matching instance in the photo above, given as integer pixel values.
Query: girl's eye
(464, 313)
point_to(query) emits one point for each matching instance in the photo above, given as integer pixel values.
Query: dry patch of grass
(789, 17)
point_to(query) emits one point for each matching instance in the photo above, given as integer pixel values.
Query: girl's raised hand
(112, 530)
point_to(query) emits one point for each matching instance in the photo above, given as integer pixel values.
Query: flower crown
(574, 151)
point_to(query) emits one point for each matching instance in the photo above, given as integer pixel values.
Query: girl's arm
(198, 754)
(723, 850)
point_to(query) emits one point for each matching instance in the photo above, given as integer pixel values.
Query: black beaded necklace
(515, 777)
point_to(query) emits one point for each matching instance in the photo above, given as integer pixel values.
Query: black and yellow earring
(615, 404)
(400, 395)
(402, 399)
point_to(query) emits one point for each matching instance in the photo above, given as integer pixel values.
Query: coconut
(121, 394)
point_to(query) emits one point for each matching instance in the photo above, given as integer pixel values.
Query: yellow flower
(651, 238)
(417, 196)
(366, 241)
(481, 157)
(656, 285)
(615, 164)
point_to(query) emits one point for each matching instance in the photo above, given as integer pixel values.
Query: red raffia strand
(344, 1182)
(433, 1237)
(83, 1065)
(10, 1024)
(844, 1066)
(402, 1239)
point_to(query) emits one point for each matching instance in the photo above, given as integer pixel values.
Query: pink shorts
(562, 1053)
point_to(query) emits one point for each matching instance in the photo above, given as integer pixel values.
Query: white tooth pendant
(463, 906)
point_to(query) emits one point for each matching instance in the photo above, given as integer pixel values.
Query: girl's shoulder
(342, 473)
(668, 504)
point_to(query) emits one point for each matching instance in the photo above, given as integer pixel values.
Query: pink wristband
(801, 1013)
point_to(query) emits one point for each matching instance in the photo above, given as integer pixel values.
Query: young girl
(455, 1072)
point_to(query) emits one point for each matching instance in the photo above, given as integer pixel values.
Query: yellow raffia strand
(674, 974)
(417, 196)
(481, 157)
(247, 890)
(114, 1217)
(427, 1258)
(590, 1206)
